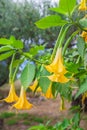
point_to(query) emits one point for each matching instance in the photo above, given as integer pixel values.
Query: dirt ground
(43, 107)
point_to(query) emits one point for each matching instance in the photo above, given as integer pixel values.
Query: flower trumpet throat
(83, 6)
(12, 97)
(22, 102)
(34, 85)
(57, 68)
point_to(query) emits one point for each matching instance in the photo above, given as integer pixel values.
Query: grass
(23, 115)
(26, 119)
(26, 122)
(6, 115)
(38, 119)
(11, 122)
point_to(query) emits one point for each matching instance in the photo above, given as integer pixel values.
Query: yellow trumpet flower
(84, 35)
(49, 94)
(22, 103)
(58, 78)
(12, 97)
(33, 87)
(57, 65)
(57, 68)
(83, 6)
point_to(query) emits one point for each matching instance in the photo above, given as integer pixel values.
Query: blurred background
(18, 17)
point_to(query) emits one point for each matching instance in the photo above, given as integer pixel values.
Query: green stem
(63, 36)
(14, 75)
(77, 61)
(60, 39)
(27, 56)
(68, 41)
(62, 103)
(10, 69)
(57, 42)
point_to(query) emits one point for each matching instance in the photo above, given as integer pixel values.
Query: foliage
(66, 124)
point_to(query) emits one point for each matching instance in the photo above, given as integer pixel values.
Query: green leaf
(72, 67)
(34, 50)
(38, 127)
(54, 89)
(82, 89)
(76, 119)
(4, 41)
(17, 62)
(83, 22)
(18, 44)
(65, 123)
(80, 46)
(65, 7)
(12, 38)
(6, 55)
(44, 83)
(58, 10)
(64, 89)
(43, 71)
(50, 21)
(5, 48)
(27, 75)
(27, 54)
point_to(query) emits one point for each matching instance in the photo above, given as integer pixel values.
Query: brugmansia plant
(59, 72)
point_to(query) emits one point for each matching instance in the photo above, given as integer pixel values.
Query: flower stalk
(11, 69)
(60, 40)
(69, 40)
